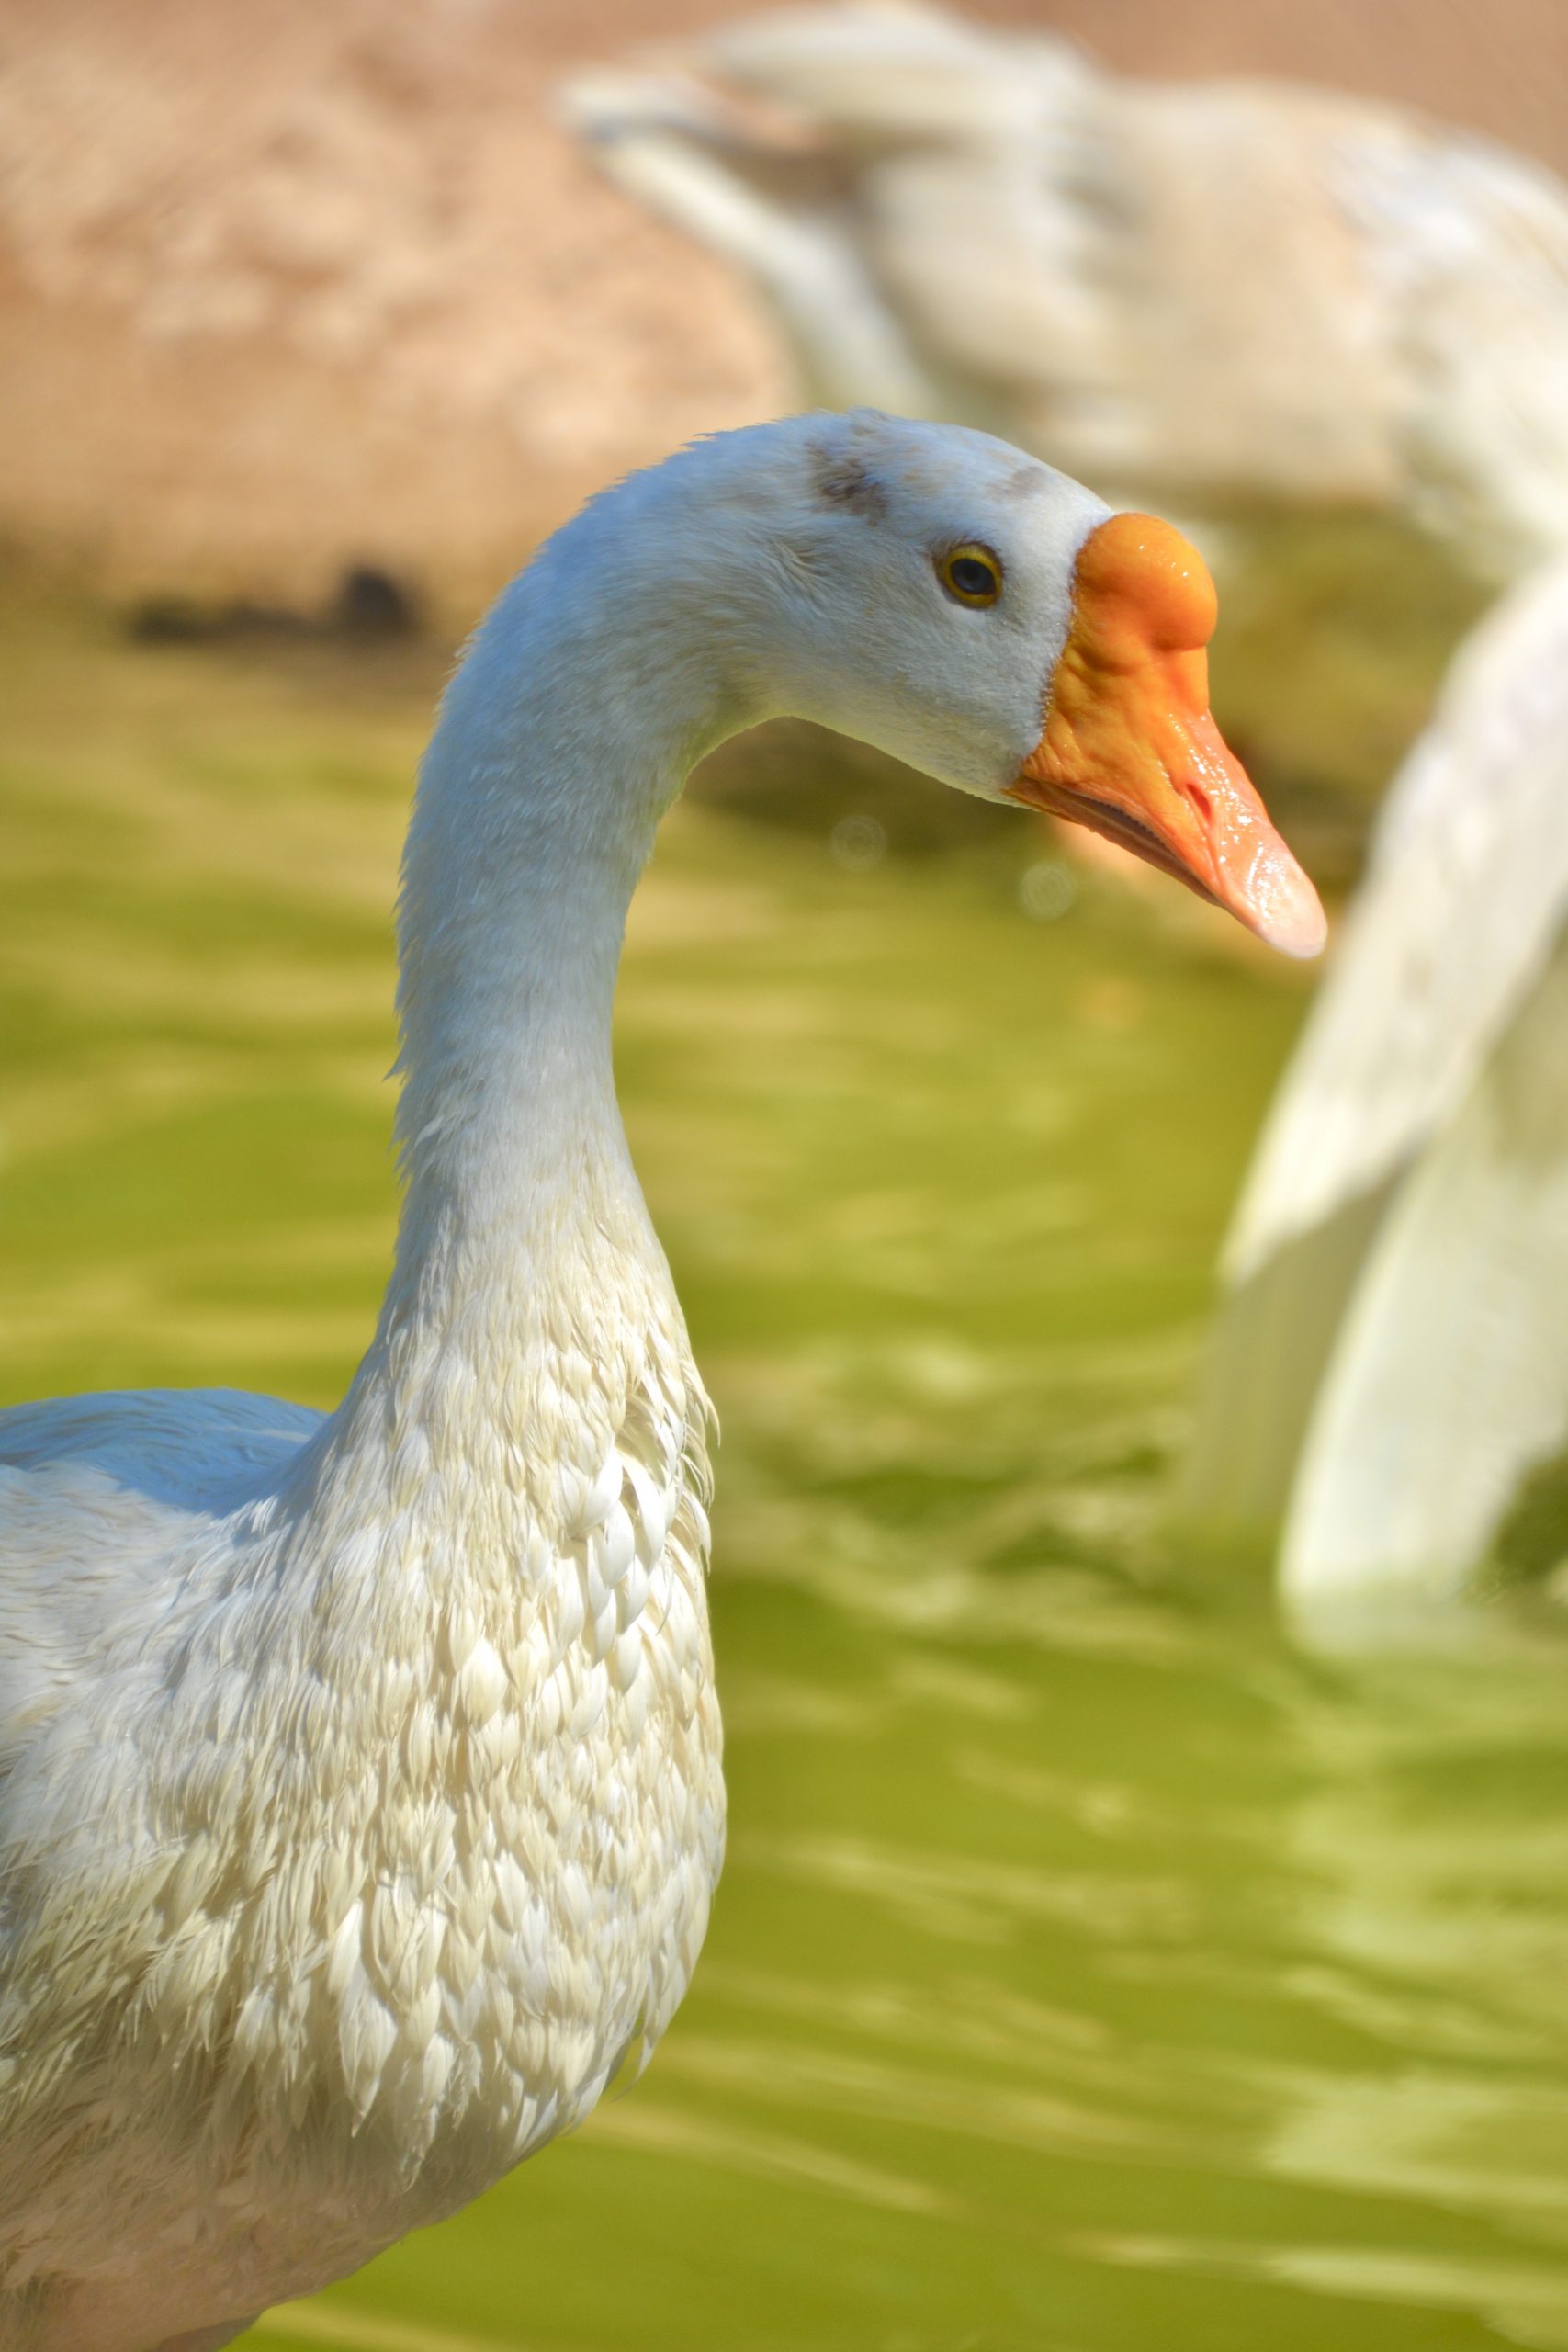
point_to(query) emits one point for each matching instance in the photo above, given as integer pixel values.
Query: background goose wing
(1461, 903)
(1451, 930)
(1448, 1382)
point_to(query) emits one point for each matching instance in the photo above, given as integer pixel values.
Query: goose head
(981, 616)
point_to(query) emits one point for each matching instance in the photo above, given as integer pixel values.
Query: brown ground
(289, 283)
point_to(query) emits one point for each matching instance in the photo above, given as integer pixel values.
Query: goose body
(360, 1791)
(1207, 292)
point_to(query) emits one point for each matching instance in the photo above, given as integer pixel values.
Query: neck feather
(571, 725)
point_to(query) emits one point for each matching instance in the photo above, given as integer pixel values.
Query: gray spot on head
(1024, 479)
(840, 479)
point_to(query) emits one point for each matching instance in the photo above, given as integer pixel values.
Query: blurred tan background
(313, 282)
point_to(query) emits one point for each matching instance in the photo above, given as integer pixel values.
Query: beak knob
(1130, 749)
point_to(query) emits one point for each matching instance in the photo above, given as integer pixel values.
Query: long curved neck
(533, 824)
(566, 733)
(567, 729)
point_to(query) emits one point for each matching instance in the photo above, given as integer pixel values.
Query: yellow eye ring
(971, 574)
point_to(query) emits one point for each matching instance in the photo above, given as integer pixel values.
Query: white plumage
(1391, 1359)
(1211, 293)
(360, 1800)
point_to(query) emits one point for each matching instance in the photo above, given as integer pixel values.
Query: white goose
(361, 1802)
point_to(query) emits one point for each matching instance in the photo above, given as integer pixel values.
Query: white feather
(1450, 1379)
(1391, 1359)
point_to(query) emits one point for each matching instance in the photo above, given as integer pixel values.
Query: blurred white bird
(1204, 293)
(1214, 295)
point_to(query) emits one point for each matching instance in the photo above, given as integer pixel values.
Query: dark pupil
(972, 577)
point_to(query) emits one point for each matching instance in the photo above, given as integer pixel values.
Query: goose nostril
(1199, 799)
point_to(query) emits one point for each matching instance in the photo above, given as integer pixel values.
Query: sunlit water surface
(1091, 1969)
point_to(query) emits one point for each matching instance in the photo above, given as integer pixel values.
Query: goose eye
(971, 574)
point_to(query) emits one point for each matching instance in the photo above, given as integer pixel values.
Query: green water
(1093, 1972)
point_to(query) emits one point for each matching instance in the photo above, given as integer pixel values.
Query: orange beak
(1129, 750)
